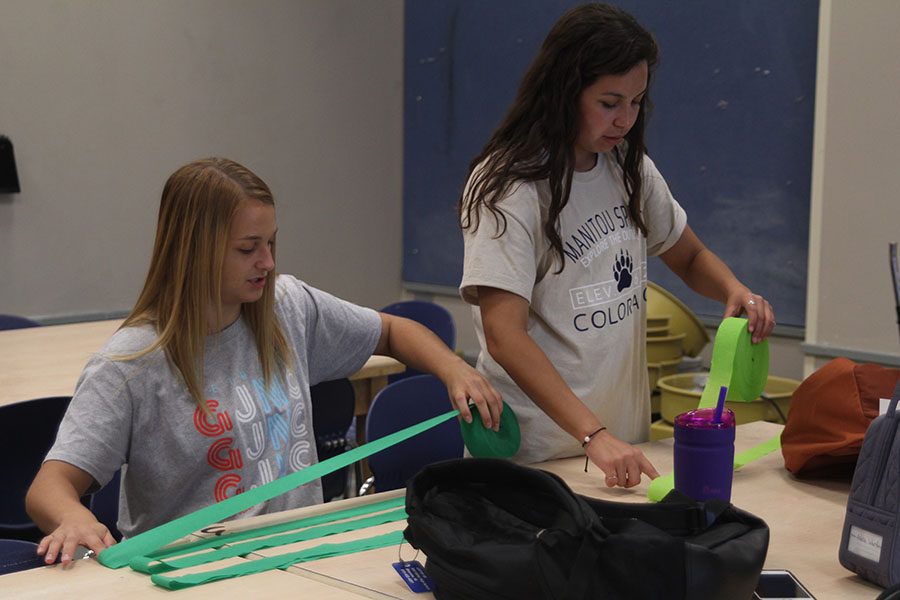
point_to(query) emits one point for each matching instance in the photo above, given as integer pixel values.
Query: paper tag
(883, 404)
(864, 543)
(413, 573)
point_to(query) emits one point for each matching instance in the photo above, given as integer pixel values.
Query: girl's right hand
(622, 463)
(83, 531)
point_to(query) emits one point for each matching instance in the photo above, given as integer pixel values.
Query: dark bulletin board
(730, 129)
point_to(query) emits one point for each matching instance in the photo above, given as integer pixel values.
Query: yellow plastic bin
(662, 369)
(663, 349)
(681, 392)
(660, 331)
(660, 430)
(682, 319)
(658, 320)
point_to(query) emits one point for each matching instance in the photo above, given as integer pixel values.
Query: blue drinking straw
(720, 405)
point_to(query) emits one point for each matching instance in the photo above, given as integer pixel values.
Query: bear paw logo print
(622, 270)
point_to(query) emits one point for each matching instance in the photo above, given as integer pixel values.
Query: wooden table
(805, 519)
(46, 361)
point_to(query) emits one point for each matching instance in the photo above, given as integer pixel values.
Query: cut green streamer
(757, 452)
(121, 554)
(163, 565)
(142, 563)
(282, 561)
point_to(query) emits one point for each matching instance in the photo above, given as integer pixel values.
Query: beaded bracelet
(585, 442)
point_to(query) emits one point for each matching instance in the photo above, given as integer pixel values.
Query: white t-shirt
(590, 319)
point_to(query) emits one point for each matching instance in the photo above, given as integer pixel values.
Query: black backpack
(494, 529)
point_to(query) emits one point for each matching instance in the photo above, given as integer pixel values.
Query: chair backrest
(433, 316)
(333, 404)
(399, 405)
(104, 503)
(16, 322)
(27, 431)
(18, 555)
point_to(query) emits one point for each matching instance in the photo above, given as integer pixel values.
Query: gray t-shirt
(590, 319)
(139, 413)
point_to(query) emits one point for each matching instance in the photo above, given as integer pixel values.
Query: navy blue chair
(433, 316)
(333, 405)
(400, 405)
(104, 503)
(27, 431)
(18, 555)
(16, 322)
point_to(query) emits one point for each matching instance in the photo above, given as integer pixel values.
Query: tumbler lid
(705, 418)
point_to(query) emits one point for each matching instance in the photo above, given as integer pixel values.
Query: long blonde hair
(198, 204)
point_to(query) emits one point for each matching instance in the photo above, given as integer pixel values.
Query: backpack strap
(676, 513)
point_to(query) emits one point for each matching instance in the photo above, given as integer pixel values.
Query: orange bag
(830, 412)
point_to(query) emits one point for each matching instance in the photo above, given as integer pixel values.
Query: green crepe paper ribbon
(664, 484)
(202, 558)
(142, 544)
(142, 563)
(282, 561)
(483, 442)
(737, 364)
(743, 368)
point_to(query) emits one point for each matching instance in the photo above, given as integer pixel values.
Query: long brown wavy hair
(198, 204)
(536, 139)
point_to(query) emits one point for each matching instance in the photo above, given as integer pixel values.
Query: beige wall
(855, 199)
(103, 99)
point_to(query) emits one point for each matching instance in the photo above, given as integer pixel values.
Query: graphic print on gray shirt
(139, 413)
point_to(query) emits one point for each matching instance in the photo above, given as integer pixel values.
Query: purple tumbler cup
(704, 454)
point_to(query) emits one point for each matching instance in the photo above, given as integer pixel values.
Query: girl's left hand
(466, 385)
(760, 314)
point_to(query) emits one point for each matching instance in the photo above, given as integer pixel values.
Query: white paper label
(883, 404)
(864, 543)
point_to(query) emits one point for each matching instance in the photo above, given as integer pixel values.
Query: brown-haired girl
(561, 210)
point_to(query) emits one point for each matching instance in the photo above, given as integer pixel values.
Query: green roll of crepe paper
(737, 363)
(487, 443)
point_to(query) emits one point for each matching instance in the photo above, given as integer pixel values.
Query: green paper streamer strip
(483, 442)
(119, 555)
(738, 364)
(282, 561)
(757, 452)
(142, 563)
(163, 565)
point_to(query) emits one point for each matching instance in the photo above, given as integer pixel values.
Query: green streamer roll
(737, 363)
(487, 443)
